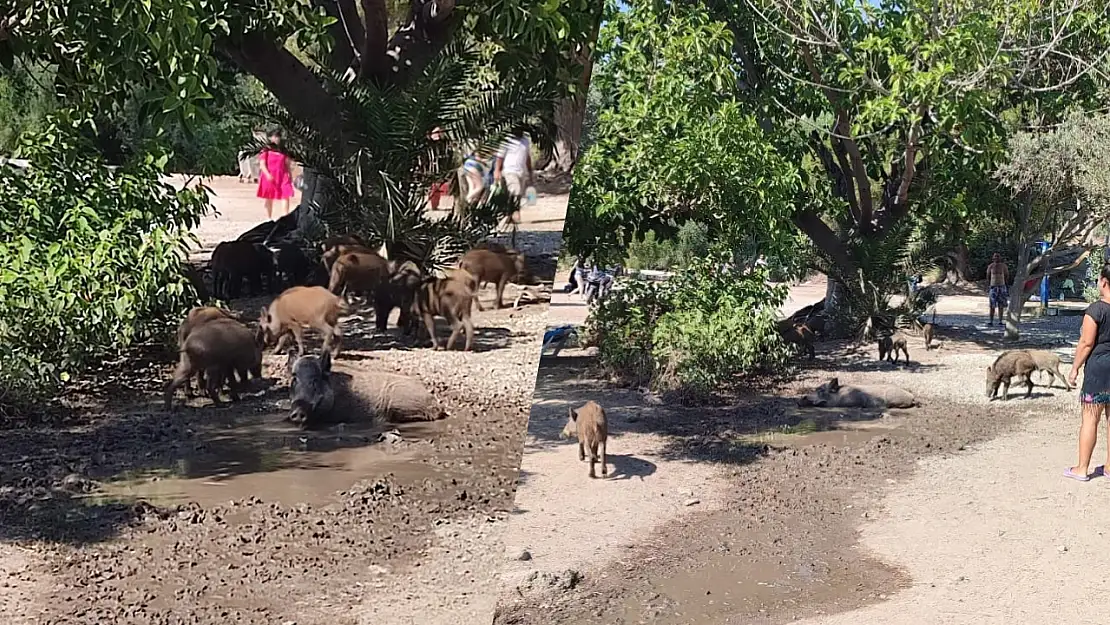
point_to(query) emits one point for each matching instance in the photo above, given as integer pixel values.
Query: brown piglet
(589, 426)
(451, 299)
(499, 268)
(300, 307)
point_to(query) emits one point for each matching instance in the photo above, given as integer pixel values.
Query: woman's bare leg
(269, 208)
(1106, 467)
(1088, 436)
(285, 204)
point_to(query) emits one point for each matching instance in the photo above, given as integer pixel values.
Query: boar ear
(573, 415)
(325, 361)
(834, 384)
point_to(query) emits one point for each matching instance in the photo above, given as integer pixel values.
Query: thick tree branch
(842, 183)
(824, 238)
(287, 78)
(375, 62)
(415, 44)
(346, 32)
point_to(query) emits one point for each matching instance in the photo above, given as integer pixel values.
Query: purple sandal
(1075, 476)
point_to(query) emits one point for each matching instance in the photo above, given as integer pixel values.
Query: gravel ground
(125, 514)
(735, 518)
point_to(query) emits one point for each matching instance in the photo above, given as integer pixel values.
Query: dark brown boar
(196, 317)
(300, 307)
(1010, 364)
(928, 331)
(800, 335)
(219, 348)
(358, 273)
(398, 292)
(232, 261)
(891, 346)
(588, 424)
(448, 298)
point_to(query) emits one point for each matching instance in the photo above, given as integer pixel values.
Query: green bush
(90, 260)
(649, 252)
(1094, 272)
(695, 332)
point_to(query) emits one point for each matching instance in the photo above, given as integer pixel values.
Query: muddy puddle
(830, 428)
(275, 462)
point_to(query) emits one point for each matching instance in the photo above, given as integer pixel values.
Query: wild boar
(450, 299)
(234, 260)
(588, 424)
(220, 347)
(358, 273)
(1048, 362)
(311, 390)
(399, 291)
(890, 346)
(834, 395)
(497, 267)
(1010, 364)
(300, 307)
(800, 335)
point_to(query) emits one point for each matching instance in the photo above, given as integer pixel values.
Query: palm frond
(385, 161)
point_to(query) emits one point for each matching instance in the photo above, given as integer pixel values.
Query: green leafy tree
(381, 189)
(169, 51)
(889, 91)
(670, 145)
(1060, 179)
(90, 260)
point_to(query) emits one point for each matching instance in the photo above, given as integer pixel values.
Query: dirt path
(775, 536)
(209, 515)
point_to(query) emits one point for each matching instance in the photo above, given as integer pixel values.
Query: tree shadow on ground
(360, 335)
(724, 435)
(50, 476)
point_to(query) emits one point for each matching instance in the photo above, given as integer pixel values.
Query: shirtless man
(998, 293)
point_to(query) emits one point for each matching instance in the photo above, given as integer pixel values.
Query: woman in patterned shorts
(1092, 354)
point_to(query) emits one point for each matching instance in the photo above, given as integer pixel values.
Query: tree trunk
(834, 299)
(1017, 294)
(570, 112)
(962, 261)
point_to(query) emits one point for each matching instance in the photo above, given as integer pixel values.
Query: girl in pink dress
(276, 181)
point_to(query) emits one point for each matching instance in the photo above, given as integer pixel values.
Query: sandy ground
(127, 514)
(725, 515)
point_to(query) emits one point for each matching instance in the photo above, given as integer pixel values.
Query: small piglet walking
(589, 426)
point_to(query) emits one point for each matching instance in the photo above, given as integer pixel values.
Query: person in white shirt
(514, 166)
(514, 163)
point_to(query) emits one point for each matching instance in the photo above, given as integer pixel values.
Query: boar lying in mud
(1048, 362)
(300, 307)
(451, 299)
(834, 395)
(891, 346)
(800, 335)
(487, 265)
(219, 348)
(589, 426)
(311, 390)
(393, 397)
(1016, 363)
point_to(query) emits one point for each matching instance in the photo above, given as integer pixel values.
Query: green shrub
(90, 260)
(1094, 272)
(650, 252)
(696, 332)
